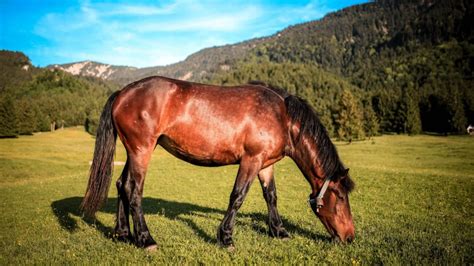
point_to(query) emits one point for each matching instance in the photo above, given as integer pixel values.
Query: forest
(36, 99)
(382, 67)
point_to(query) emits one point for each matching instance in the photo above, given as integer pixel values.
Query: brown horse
(252, 125)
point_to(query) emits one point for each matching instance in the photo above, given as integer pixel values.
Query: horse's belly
(201, 151)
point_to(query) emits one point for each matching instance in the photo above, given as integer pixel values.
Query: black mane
(301, 112)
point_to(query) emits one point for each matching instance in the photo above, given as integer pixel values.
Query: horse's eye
(339, 194)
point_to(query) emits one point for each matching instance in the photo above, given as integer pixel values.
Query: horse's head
(332, 206)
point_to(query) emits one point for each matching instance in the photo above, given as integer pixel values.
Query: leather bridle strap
(319, 199)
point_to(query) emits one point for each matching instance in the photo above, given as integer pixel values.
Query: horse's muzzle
(346, 240)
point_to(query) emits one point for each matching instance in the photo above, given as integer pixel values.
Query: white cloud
(136, 10)
(205, 22)
(147, 35)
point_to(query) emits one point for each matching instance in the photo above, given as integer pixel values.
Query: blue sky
(143, 33)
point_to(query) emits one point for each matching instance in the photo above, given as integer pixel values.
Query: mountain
(117, 74)
(344, 42)
(368, 38)
(410, 61)
(402, 66)
(95, 69)
(15, 69)
(198, 66)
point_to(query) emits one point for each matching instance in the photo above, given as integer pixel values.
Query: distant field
(413, 204)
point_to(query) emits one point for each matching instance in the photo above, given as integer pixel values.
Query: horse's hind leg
(122, 223)
(138, 164)
(267, 181)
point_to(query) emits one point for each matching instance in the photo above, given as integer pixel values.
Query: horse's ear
(345, 172)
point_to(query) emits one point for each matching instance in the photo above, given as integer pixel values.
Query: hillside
(370, 36)
(95, 69)
(412, 60)
(198, 66)
(36, 99)
(343, 42)
(15, 69)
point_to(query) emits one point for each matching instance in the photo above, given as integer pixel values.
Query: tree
(371, 121)
(349, 119)
(458, 119)
(410, 111)
(92, 122)
(26, 112)
(8, 118)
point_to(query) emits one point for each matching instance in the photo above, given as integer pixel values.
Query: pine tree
(91, 123)
(412, 123)
(455, 105)
(349, 119)
(371, 121)
(26, 117)
(8, 120)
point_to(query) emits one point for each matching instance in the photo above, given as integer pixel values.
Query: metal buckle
(317, 203)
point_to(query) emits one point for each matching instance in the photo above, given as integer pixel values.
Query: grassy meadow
(413, 204)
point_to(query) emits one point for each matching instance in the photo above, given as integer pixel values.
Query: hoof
(281, 234)
(284, 235)
(124, 239)
(152, 248)
(225, 240)
(230, 248)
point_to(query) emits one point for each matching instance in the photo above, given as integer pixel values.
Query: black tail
(101, 168)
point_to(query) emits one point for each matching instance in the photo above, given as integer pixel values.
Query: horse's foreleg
(245, 176)
(267, 181)
(134, 190)
(122, 223)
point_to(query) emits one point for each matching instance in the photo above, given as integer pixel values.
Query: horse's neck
(305, 156)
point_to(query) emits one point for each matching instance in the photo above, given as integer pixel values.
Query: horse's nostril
(349, 239)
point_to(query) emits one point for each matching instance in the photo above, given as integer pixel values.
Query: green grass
(413, 203)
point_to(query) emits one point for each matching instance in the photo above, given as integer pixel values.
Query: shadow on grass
(66, 209)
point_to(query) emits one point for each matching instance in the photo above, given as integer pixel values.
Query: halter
(317, 203)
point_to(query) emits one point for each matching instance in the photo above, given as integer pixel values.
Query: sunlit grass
(412, 204)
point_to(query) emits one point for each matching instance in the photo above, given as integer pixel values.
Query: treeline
(436, 80)
(47, 100)
(349, 112)
(343, 108)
